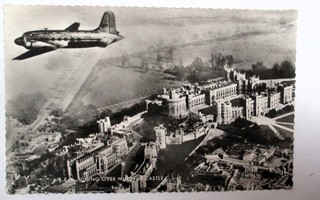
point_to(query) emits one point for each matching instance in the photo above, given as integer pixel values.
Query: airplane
(43, 41)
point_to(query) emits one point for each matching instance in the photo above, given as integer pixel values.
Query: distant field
(268, 48)
(108, 85)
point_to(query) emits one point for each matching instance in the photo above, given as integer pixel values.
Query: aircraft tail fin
(108, 23)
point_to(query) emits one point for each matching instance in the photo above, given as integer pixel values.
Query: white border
(307, 150)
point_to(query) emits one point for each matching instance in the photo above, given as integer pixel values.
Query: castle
(235, 96)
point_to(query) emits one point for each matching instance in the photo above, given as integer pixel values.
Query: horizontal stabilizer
(106, 41)
(73, 27)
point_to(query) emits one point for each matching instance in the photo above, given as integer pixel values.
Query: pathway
(285, 123)
(272, 123)
(284, 115)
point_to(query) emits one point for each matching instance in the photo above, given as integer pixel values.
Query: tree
(124, 60)
(25, 107)
(197, 63)
(144, 64)
(218, 60)
(276, 70)
(258, 66)
(105, 113)
(272, 113)
(170, 52)
(229, 60)
(57, 113)
(287, 69)
(180, 62)
(212, 60)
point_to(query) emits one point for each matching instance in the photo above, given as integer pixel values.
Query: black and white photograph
(102, 99)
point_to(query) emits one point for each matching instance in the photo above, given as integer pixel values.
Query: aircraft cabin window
(72, 39)
(78, 39)
(53, 39)
(59, 39)
(65, 39)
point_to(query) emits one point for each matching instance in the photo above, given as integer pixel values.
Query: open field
(108, 85)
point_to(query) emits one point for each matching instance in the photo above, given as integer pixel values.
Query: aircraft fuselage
(66, 39)
(43, 41)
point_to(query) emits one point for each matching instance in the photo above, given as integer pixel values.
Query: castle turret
(160, 133)
(104, 124)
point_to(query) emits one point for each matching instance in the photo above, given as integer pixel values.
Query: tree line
(201, 71)
(284, 70)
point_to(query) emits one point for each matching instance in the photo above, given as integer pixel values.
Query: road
(284, 115)
(62, 94)
(66, 89)
(125, 104)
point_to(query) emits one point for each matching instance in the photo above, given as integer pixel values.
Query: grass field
(289, 119)
(288, 125)
(108, 85)
(267, 131)
(285, 133)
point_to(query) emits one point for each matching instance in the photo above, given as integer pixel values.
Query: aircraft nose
(19, 41)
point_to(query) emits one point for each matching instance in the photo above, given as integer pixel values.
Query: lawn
(289, 119)
(287, 125)
(267, 131)
(108, 85)
(284, 133)
(40, 149)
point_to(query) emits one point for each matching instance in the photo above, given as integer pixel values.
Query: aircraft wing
(73, 27)
(34, 52)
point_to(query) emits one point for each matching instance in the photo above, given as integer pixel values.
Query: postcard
(127, 99)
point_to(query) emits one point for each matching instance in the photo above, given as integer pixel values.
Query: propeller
(24, 39)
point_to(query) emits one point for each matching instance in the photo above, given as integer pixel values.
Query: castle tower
(160, 133)
(104, 124)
